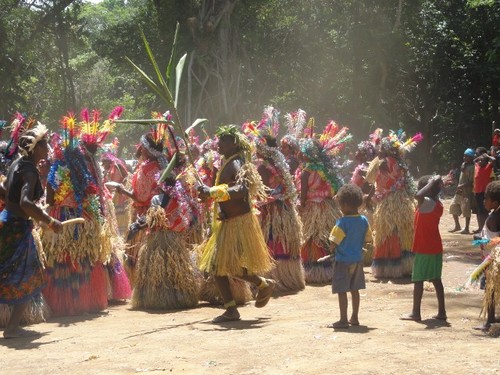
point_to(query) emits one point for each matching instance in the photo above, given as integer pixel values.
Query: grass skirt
(282, 231)
(240, 291)
(318, 219)
(118, 284)
(76, 288)
(165, 276)
(37, 312)
(121, 209)
(235, 245)
(393, 236)
(132, 253)
(195, 235)
(492, 288)
(82, 242)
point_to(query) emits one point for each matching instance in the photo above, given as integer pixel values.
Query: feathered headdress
(334, 138)
(30, 137)
(18, 126)
(396, 143)
(369, 148)
(94, 133)
(270, 121)
(70, 131)
(295, 122)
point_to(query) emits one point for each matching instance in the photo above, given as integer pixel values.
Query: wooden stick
(77, 220)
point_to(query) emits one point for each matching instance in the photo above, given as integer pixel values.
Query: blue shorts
(347, 277)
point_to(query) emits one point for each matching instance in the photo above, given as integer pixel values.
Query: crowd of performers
(242, 215)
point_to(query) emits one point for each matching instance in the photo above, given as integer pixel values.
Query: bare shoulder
(230, 170)
(427, 205)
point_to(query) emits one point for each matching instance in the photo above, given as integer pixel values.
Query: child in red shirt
(483, 173)
(427, 246)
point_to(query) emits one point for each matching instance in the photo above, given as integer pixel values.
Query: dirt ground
(289, 336)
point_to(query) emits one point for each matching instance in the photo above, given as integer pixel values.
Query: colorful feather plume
(412, 142)
(270, 121)
(295, 122)
(18, 126)
(334, 138)
(397, 143)
(70, 130)
(376, 136)
(92, 132)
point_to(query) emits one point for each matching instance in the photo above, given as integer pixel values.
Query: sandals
(264, 294)
(225, 318)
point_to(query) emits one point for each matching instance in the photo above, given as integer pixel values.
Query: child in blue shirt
(348, 236)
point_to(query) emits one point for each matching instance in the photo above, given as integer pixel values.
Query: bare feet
(411, 316)
(482, 327)
(230, 315)
(354, 322)
(456, 229)
(265, 294)
(440, 317)
(339, 325)
(465, 231)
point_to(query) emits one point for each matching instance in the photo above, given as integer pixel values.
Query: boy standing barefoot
(348, 236)
(427, 246)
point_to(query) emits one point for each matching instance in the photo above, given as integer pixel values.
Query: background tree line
(429, 66)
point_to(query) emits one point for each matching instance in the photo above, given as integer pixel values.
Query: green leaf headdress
(232, 131)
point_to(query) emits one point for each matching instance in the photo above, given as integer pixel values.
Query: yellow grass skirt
(236, 244)
(492, 281)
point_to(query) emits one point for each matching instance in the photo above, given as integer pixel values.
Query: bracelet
(220, 193)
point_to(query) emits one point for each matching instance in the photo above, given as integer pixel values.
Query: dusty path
(289, 336)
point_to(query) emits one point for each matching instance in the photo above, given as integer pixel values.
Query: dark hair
(155, 146)
(493, 191)
(270, 141)
(351, 195)
(481, 150)
(422, 181)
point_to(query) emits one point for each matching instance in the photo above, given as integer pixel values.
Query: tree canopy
(429, 66)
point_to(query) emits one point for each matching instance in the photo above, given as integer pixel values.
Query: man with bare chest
(236, 247)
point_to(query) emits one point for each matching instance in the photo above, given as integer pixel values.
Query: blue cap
(469, 152)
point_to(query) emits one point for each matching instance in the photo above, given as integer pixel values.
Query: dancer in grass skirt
(393, 217)
(77, 257)
(166, 276)
(317, 181)
(21, 270)
(144, 187)
(236, 247)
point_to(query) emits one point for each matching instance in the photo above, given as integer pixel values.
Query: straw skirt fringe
(492, 281)
(282, 229)
(393, 236)
(165, 276)
(318, 219)
(236, 245)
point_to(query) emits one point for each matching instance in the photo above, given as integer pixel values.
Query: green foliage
(430, 66)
